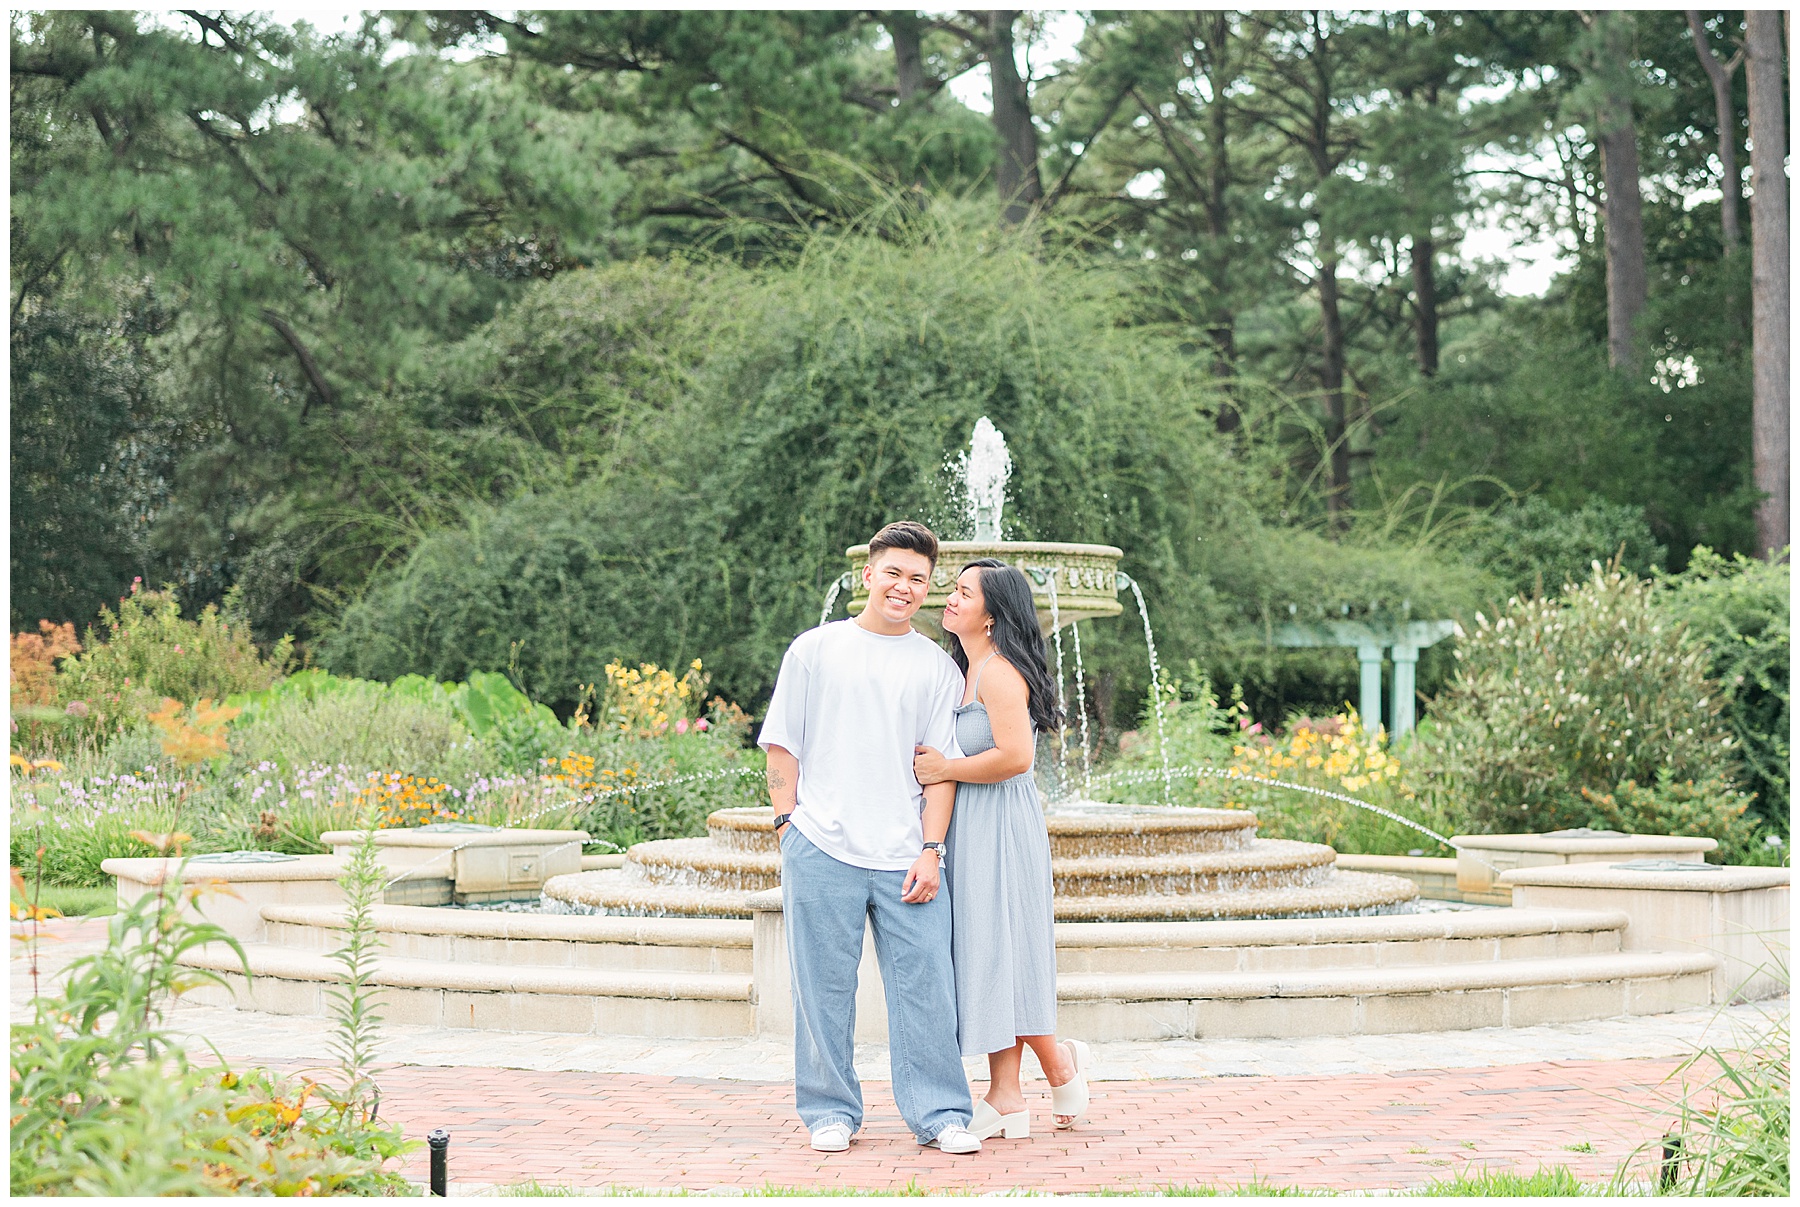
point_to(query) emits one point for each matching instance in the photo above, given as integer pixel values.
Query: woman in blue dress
(1003, 941)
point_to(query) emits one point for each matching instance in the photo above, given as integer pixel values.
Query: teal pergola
(1369, 639)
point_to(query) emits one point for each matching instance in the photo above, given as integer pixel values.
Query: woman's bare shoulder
(1005, 680)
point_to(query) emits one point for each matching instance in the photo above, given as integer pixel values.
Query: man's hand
(929, 766)
(921, 883)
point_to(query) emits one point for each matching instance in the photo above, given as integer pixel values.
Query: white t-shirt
(850, 705)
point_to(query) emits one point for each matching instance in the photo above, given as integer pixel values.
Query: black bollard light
(439, 1140)
(1670, 1173)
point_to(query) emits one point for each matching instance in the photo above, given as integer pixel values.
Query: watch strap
(781, 819)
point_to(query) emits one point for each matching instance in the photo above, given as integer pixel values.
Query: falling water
(985, 474)
(1226, 773)
(1062, 732)
(837, 585)
(1162, 744)
(1087, 764)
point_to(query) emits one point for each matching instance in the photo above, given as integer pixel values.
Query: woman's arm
(1007, 698)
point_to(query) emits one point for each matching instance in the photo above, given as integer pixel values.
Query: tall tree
(1609, 85)
(1304, 78)
(309, 212)
(1769, 280)
(1719, 75)
(1016, 172)
(1418, 146)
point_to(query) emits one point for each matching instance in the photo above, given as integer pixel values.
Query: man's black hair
(905, 534)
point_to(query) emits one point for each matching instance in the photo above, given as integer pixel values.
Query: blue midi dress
(1002, 937)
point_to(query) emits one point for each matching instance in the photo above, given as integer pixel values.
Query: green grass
(76, 902)
(1555, 1183)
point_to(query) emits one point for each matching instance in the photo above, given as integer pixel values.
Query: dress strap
(975, 694)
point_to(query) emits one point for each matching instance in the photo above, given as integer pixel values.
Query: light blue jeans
(825, 902)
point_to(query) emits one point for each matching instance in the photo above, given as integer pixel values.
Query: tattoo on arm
(777, 781)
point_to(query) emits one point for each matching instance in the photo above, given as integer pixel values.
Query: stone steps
(1395, 941)
(498, 938)
(1379, 1001)
(676, 977)
(433, 993)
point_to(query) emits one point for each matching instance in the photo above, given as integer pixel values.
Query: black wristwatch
(781, 819)
(935, 846)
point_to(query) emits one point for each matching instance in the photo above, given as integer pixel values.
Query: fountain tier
(1109, 863)
(1086, 578)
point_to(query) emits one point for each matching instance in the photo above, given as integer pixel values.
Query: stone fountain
(1109, 862)
(1170, 922)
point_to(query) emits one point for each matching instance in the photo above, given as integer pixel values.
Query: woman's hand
(929, 766)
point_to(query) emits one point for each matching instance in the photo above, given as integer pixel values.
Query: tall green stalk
(355, 1017)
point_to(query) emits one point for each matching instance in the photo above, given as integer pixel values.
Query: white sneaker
(955, 1139)
(831, 1137)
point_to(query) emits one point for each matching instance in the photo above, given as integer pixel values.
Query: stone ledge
(152, 870)
(436, 839)
(1380, 928)
(497, 924)
(1399, 865)
(1547, 844)
(1727, 879)
(1357, 982)
(284, 964)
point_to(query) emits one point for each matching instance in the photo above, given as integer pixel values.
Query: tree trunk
(1016, 170)
(1720, 75)
(1331, 376)
(1424, 275)
(1627, 278)
(1222, 327)
(1609, 55)
(909, 56)
(1769, 277)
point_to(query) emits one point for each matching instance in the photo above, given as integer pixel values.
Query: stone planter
(1738, 915)
(234, 893)
(1482, 858)
(445, 864)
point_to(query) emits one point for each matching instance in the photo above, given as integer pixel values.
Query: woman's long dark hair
(1016, 636)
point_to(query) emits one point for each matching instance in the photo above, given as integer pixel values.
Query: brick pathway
(1347, 1114)
(1361, 1132)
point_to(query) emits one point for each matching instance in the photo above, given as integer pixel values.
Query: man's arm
(783, 778)
(921, 883)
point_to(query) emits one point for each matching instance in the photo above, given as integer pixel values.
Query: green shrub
(1558, 702)
(81, 820)
(104, 1103)
(1738, 610)
(1534, 548)
(1712, 807)
(725, 432)
(149, 652)
(316, 719)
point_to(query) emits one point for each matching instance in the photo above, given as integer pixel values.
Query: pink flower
(77, 708)
(701, 725)
(681, 726)
(178, 649)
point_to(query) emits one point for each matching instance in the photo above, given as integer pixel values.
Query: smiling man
(860, 839)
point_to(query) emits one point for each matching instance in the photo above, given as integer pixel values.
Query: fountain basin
(1108, 862)
(1087, 578)
(466, 864)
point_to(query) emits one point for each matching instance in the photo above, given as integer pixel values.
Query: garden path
(1360, 1112)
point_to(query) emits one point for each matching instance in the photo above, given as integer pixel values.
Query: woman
(1002, 943)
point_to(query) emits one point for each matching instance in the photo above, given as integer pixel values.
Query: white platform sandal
(1071, 1098)
(989, 1122)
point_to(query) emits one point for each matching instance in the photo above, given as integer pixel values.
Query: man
(861, 839)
